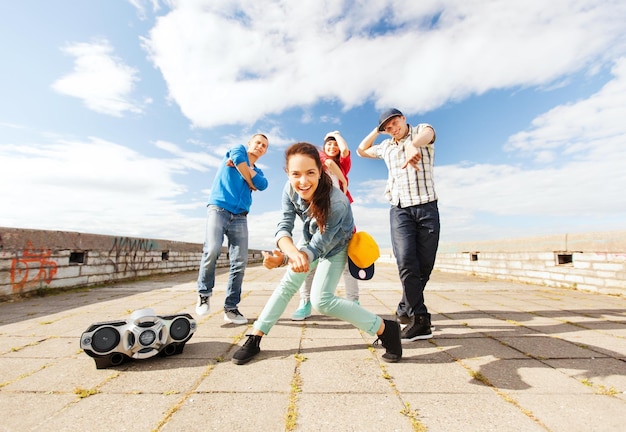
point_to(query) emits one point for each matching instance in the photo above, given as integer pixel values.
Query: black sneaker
(248, 350)
(418, 329)
(390, 339)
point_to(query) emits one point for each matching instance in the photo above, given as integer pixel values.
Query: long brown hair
(319, 207)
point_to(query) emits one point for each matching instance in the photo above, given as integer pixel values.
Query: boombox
(144, 335)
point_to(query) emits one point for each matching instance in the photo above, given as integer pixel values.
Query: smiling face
(396, 127)
(331, 148)
(304, 175)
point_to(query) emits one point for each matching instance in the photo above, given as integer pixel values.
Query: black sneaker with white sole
(418, 329)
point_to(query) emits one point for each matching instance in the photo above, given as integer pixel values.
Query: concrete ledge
(590, 261)
(609, 241)
(34, 260)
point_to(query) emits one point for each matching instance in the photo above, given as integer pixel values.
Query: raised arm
(334, 169)
(365, 147)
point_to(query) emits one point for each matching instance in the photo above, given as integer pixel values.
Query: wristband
(285, 260)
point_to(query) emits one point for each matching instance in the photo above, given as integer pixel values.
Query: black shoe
(248, 350)
(417, 329)
(390, 339)
(403, 319)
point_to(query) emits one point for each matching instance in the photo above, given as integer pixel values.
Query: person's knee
(322, 304)
(407, 263)
(238, 266)
(212, 251)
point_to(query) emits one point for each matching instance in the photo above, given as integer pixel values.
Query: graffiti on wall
(129, 254)
(33, 268)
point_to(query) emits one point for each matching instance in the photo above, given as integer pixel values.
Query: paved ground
(505, 357)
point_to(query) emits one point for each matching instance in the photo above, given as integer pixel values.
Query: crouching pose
(327, 228)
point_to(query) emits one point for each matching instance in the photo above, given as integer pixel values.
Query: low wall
(34, 260)
(591, 261)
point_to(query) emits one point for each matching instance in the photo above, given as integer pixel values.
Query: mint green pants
(327, 274)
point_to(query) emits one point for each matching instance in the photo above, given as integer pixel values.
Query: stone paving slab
(504, 357)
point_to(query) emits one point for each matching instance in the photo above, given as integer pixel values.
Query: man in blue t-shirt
(227, 210)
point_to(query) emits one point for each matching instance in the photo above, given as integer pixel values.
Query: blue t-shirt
(229, 190)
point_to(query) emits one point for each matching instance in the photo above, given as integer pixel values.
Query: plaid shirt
(408, 187)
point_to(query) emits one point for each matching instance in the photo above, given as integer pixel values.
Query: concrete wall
(591, 261)
(32, 260)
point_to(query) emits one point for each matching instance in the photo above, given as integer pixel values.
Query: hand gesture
(413, 156)
(300, 264)
(272, 259)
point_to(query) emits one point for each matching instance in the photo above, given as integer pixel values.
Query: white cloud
(141, 7)
(240, 61)
(102, 81)
(580, 129)
(262, 227)
(229, 62)
(370, 192)
(94, 186)
(567, 173)
(199, 161)
(12, 125)
(583, 183)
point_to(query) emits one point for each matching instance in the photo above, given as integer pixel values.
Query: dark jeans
(414, 238)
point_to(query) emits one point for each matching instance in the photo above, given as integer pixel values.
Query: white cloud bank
(575, 178)
(223, 65)
(97, 186)
(583, 184)
(228, 62)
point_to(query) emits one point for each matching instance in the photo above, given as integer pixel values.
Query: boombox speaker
(144, 335)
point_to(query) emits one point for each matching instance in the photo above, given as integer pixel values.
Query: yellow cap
(363, 250)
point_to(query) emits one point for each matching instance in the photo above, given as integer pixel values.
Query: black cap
(386, 116)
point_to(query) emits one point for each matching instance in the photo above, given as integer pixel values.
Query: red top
(345, 163)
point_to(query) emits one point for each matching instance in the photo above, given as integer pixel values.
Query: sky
(115, 114)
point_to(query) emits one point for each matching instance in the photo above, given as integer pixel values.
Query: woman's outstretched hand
(273, 259)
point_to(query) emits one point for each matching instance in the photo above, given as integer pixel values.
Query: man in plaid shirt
(414, 216)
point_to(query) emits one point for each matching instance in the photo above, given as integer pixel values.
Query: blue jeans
(328, 271)
(414, 238)
(222, 223)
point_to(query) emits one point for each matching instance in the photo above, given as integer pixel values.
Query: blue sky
(115, 114)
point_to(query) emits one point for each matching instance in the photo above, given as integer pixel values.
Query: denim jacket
(339, 226)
